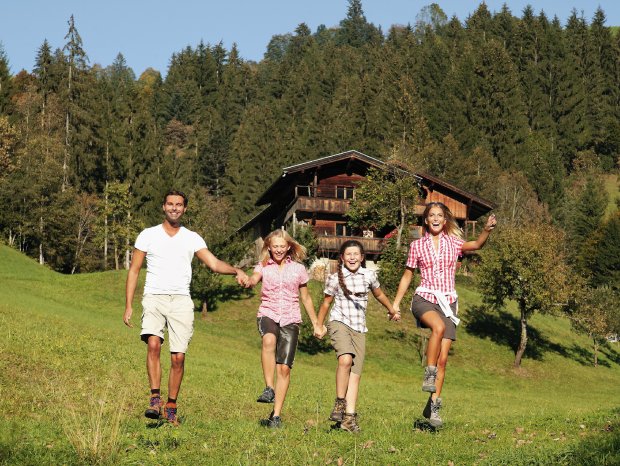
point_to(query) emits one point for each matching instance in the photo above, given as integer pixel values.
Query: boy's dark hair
(174, 192)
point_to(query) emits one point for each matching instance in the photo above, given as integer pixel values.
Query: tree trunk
(105, 229)
(401, 226)
(595, 351)
(522, 341)
(41, 257)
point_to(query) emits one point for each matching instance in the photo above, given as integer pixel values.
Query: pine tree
(257, 161)
(355, 30)
(5, 83)
(606, 260)
(601, 87)
(497, 108)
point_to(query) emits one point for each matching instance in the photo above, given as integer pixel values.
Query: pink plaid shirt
(436, 268)
(280, 291)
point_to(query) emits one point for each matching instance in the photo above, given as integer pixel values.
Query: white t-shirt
(168, 259)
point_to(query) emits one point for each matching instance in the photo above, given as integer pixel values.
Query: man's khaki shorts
(345, 340)
(174, 311)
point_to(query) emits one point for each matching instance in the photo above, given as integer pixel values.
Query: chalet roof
(430, 181)
(299, 168)
(334, 158)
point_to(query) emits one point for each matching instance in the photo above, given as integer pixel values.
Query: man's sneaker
(154, 411)
(274, 422)
(267, 396)
(434, 419)
(349, 423)
(427, 409)
(170, 415)
(430, 373)
(338, 412)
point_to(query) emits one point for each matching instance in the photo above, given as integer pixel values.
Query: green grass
(74, 388)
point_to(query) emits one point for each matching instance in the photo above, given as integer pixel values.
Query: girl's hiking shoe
(339, 408)
(170, 415)
(434, 419)
(268, 396)
(155, 409)
(349, 423)
(430, 373)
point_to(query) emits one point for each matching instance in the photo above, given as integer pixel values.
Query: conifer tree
(5, 83)
(606, 260)
(497, 108)
(601, 88)
(355, 30)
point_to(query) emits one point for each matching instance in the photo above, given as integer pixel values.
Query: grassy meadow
(73, 387)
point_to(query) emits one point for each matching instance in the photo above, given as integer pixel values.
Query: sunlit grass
(74, 388)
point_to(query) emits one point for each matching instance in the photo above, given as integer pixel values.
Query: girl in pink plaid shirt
(284, 283)
(434, 304)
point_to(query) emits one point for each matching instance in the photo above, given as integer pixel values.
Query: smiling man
(169, 249)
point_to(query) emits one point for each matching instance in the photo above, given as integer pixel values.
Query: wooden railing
(318, 204)
(333, 243)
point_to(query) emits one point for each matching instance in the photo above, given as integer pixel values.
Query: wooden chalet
(318, 193)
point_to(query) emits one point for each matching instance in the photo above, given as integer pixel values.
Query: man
(169, 249)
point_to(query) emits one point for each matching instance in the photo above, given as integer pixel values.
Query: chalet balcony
(331, 243)
(325, 199)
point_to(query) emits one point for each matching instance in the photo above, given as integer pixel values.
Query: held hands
(242, 278)
(394, 314)
(319, 330)
(491, 223)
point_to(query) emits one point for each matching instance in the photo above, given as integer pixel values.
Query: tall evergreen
(497, 105)
(81, 162)
(5, 83)
(355, 30)
(602, 89)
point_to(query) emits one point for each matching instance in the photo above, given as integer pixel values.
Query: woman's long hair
(348, 244)
(296, 251)
(451, 228)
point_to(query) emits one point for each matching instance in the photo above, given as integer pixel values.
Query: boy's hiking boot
(338, 412)
(427, 409)
(155, 409)
(268, 396)
(434, 419)
(430, 373)
(349, 423)
(170, 415)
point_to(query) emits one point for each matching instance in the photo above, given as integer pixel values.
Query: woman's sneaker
(430, 373)
(349, 423)
(435, 420)
(154, 411)
(339, 408)
(268, 396)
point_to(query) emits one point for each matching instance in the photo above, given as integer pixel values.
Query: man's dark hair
(174, 192)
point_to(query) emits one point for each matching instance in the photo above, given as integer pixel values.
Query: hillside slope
(74, 386)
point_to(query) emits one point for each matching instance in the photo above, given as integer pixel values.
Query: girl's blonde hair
(296, 251)
(451, 228)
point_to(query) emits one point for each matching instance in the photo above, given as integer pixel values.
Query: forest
(518, 109)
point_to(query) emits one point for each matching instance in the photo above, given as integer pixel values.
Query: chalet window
(342, 229)
(344, 192)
